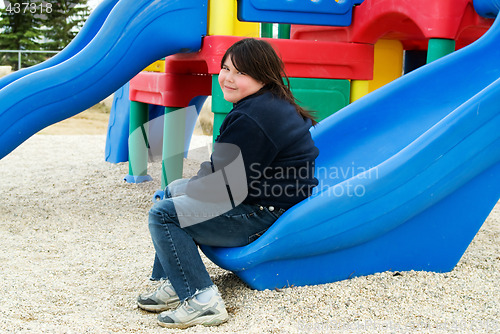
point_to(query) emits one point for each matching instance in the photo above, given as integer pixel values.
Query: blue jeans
(177, 257)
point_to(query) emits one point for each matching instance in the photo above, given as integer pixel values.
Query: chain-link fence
(23, 57)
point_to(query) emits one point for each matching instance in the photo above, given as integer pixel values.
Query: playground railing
(20, 52)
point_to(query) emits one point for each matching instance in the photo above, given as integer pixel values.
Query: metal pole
(19, 60)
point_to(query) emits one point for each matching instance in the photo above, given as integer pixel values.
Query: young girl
(272, 133)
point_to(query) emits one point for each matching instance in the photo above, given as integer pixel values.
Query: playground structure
(328, 66)
(422, 151)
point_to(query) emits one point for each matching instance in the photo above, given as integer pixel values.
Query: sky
(93, 3)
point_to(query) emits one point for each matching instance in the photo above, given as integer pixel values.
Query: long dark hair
(257, 58)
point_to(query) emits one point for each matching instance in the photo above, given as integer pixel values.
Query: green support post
(266, 30)
(439, 47)
(284, 31)
(138, 143)
(220, 107)
(173, 145)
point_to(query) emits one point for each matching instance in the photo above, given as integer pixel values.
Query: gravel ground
(76, 253)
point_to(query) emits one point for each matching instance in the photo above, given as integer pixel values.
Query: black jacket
(276, 146)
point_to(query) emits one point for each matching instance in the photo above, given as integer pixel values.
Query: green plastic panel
(324, 96)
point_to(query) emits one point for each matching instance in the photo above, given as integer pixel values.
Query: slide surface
(408, 174)
(120, 40)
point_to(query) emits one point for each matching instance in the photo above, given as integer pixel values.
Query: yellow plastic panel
(359, 88)
(157, 66)
(388, 63)
(223, 20)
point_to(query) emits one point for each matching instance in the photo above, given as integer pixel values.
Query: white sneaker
(192, 312)
(164, 298)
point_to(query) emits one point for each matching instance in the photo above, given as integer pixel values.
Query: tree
(39, 25)
(20, 31)
(64, 22)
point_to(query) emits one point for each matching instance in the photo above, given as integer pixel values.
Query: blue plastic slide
(110, 52)
(408, 174)
(318, 12)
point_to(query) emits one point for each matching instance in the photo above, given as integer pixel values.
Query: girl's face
(236, 85)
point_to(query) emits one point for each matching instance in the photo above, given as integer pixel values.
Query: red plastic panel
(330, 60)
(304, 59)
(409, 21)
(167, 89)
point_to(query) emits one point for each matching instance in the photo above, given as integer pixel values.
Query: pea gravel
(76, 252)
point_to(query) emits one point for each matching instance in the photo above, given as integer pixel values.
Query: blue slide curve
(119, 40)
(408, 174)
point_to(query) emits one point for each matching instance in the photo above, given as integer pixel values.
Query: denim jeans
(177, 257)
